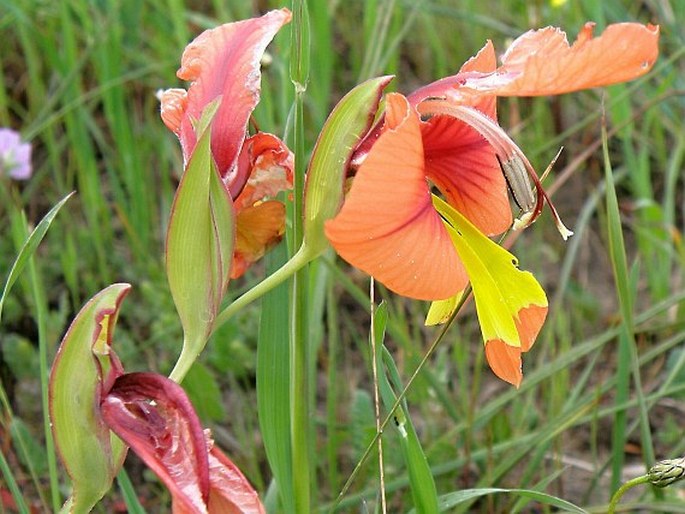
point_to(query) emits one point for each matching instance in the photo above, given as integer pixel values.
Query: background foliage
(79, 79)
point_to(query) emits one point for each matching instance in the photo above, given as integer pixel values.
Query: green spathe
(199, 247)
(344, 129)
(91, 454)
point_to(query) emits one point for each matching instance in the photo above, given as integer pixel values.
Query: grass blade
(29, 247)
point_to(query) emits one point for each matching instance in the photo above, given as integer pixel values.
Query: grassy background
(79, 80)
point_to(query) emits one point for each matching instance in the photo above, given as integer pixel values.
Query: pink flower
(15, 156)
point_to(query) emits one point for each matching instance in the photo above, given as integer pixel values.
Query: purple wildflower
(15, 156)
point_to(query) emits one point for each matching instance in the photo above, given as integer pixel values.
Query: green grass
(602, 386)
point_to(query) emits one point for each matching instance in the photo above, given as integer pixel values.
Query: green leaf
(29, 247)
(448, 501)
(199, 248)
(91, 454)
(423, 490)
(344, 129)
(273, 382)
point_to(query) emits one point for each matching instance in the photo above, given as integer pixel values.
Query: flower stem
(622, 490)
(303, 256)
(301, 438)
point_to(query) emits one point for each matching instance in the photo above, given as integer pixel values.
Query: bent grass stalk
(400, 397)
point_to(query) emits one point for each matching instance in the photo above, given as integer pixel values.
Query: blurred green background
(79, 81)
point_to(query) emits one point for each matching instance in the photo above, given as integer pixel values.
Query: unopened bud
(665, 472)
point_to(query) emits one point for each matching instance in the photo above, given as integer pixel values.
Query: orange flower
(224, 64)
(445, 136)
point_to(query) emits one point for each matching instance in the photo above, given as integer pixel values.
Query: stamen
(516, 168)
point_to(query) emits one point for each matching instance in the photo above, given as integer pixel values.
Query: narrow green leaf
(29, 248)
(347, 124)
(627, 362)
(423, 490)
(199, 247)
(273, 382)
(91, 454)
(451, 500)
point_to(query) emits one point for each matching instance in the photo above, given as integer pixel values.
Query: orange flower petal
(225, 61)
(463, 165)
(387, 226)
(505, 361)
(541, 62)
(258, 228)
(529, 323)
(451, 88)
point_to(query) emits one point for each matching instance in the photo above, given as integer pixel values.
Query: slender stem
(303, 256)
(622, 490)
(301, 438)
(41, 318)
(376, 399)
(399, 399)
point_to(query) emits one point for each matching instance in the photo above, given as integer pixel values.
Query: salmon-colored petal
(230, 492)
(225, 62)
(258, 228)
(387, 226)
(529, 323)
(265, 168)
(541, 62)
(505, 361)
(463, 165)
(451, 88)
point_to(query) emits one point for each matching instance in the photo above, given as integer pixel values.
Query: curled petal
(541, 62)
(174, 103)
(225, 62)
(153, 415)
(387, 226)
(451, 88)
(267, 166)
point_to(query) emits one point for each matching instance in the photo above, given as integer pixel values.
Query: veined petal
(459, 161)
(510, 303)
(541, 62)
(464, 167)
(229, 491)
(225, 61)
(387, 226)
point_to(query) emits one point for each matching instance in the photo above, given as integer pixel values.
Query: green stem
(299, 342)
(301, 438)
(622, 490)
(400, 398)
(303, 256)
(41, 319)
